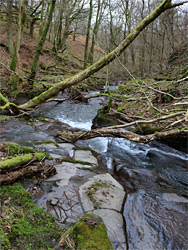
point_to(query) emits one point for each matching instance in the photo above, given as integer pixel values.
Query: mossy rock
(24, 225)
(88, 233)
(146, 129)
(4, 118)
(102, 120)
(13, 148)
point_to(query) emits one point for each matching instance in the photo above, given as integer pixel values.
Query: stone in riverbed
(102, 191)
(67, 170)
(115, 226)
(174, 198)
(66, 145)
(85, 155)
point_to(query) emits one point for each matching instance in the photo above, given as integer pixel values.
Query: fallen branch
(109, 132)
(148, 121)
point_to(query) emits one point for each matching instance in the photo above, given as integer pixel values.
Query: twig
(147, 121)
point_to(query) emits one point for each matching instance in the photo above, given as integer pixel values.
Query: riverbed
(154, 176)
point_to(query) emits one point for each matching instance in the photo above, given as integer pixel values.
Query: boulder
(102, 191)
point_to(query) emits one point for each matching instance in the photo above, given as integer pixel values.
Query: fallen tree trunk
(29, 170)
(112, 132)
(20, 161)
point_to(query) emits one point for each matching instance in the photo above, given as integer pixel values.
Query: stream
(154, 176)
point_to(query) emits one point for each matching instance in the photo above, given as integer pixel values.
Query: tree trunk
(15, 63)
(22, 14)
(95, 31)
(87, 35)
(41, 43)
(9, 26)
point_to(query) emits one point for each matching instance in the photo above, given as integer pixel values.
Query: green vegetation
(25, 226)
(4, 118)
(12, 148)
(146, 129)
(50, 142)
(21, 159)
(88, 233)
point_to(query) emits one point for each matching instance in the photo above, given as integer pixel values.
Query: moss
(50, 142)
(25, 225)
(89, 233)
(4, 118)
(146, 129)
(13, 148)
(92, 191)
(4, 241)
(21, 159)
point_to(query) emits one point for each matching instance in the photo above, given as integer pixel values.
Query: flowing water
(153, 175)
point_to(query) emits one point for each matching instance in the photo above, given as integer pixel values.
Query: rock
(55, 156)
(68, 170)
(102, 191)
(174, 197)
(49, 146)
(88, 233)
(66, 145)
(85, 155)
(54, 201)
(115, 226)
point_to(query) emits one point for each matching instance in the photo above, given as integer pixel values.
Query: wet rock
(102, 191)
(67, 171)
(115, 226)
(85, 155)
(66, 145)
(48, 147)
(174, 197)
(55, 156)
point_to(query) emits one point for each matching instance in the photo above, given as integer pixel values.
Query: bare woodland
(138, 39)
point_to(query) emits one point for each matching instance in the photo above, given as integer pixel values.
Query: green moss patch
(21, 159)
(24, 224)
(4, 118)
(12, 148)
(88, 233)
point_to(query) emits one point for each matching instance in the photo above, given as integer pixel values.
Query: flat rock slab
(101, 191)
(67, 171)
(66, 145)
(85, 155)
(49, 146)
(53, 150)
(115, 226)
(55, 156)
(174, 198)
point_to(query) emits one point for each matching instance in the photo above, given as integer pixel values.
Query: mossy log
(29, 170)
(18, 161)
(122, 133)
(21, 165)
